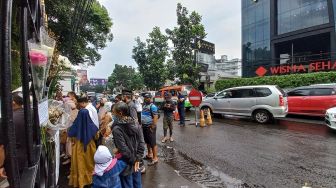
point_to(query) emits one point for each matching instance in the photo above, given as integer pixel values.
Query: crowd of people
(106, 141)
(110, 138)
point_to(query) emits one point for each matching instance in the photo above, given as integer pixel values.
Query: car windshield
(211, 95)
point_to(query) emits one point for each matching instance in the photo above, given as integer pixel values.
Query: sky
(133, 18)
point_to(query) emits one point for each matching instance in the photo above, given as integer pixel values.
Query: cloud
(133, 18)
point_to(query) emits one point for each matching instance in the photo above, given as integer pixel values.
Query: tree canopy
(189, 27)
(80, 47)
(150, 57)
(125, 77)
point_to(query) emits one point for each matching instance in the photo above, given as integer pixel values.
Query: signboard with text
(204, 46)
(317, 66)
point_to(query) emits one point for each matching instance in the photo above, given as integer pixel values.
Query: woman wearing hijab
(83, 132)
(129, 141)
(107, 169)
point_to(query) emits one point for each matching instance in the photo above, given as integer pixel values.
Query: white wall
(66, 85)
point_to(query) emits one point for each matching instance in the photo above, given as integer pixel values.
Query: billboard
(203, 46)
(82, 75)
(98, 81)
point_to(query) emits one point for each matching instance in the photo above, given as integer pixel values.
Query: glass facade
(334, 9)
(294, 15)
(255, 32)
(270, 38)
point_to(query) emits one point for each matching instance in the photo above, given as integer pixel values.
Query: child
(107, 169)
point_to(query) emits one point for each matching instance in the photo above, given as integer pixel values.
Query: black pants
(181, 111)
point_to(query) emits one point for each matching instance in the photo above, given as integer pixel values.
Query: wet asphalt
(236, 152)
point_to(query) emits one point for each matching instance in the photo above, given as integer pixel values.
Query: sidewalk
(164, 176)
(158, 176)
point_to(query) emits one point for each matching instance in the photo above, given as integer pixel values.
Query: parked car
(263, 102)
(210, 95)
(312, 100)
(330, 118)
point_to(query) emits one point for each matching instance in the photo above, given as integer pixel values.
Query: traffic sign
(195, 97)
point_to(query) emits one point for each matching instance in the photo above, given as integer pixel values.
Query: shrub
(285, 81)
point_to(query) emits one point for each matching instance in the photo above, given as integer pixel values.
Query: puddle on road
(196, 172)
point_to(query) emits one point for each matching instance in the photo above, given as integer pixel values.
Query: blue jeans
(181, 112)
(131, 181)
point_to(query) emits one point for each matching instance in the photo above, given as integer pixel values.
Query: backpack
(150, 108)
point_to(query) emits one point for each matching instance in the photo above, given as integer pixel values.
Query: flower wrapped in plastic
(58, 116)
(38, 62)
(48, 45)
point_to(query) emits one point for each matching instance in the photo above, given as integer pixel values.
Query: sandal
(153, 162)
(66, 162)
(147, 158)
(164, 139)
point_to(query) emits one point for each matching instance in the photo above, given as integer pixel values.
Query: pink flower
(37, 58)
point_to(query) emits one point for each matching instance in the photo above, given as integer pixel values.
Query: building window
(298, 14)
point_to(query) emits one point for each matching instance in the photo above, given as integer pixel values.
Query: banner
(98, 81)
(82, 75)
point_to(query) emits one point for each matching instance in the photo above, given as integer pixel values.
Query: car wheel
(262, 116)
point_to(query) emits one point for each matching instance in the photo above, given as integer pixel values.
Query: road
(240, 153)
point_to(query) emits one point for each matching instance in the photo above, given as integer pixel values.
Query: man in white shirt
(138, 105)
(84, 103)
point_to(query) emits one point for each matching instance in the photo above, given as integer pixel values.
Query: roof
(244, 87)
(172, 87)
(316, 87)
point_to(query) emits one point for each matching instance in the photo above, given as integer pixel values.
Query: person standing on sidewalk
(83, 134)
(168, 107)
(138, 104)
(129, 141)
(181, 108)
(149, 119)
(127, 98)
(107, 169)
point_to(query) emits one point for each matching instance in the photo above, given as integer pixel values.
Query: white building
(69, 82)
(231, 67)
(218, 69)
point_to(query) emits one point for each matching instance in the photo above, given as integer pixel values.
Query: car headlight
(332, 116)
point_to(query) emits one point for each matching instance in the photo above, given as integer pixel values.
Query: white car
(263, 102)
(330, 118)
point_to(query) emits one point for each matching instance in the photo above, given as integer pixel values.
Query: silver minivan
(262, 102)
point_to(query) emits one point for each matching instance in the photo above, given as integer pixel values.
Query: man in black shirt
(168, 107)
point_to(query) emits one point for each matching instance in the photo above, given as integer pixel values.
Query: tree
(99, 88)
(188, 28)
(125, 76)
(92, 35)
(150, 57)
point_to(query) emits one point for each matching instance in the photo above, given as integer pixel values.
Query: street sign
(195, 97)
